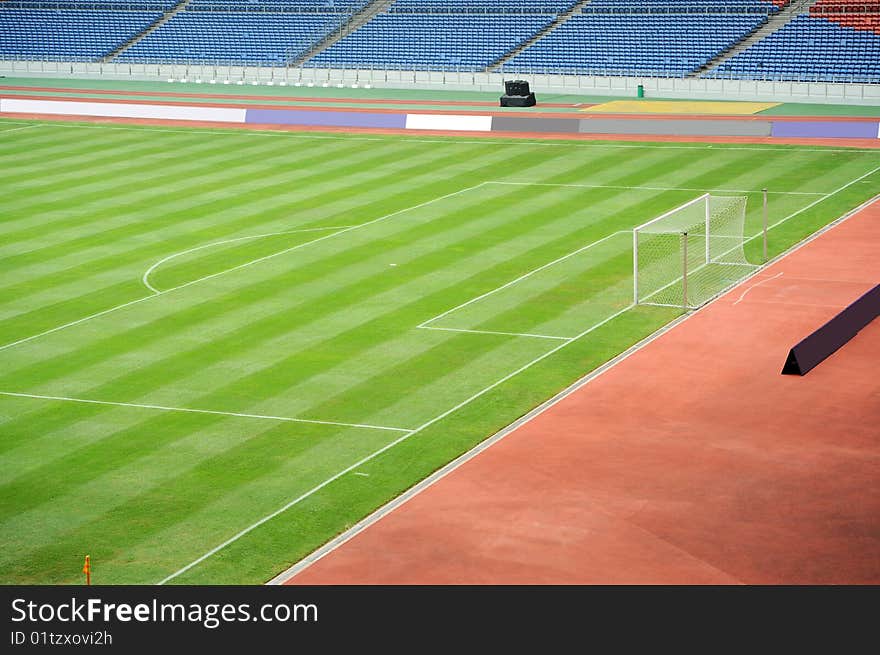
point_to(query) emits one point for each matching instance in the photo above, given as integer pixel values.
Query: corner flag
(87, 569)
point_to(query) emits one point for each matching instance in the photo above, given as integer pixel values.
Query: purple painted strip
(826, 129)
(325, 118)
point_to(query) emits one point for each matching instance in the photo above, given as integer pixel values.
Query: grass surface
(267, 304)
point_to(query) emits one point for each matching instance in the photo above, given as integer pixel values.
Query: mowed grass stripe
(121, 208)
(182, 316)
(98, 192)
(149, 239)
(115, 297)
(247, 334)
(170, 500)
(442, 254)
(244, 188)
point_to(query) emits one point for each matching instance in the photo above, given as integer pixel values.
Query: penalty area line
(387, 447)
(506, 334)
(481, 447)
(146, 276)
(155, 294)
(189, 410)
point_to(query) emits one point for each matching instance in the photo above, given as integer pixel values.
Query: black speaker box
(517, 94)
(516, 88)
(518, 101)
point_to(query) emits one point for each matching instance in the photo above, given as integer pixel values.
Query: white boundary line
(146, 276)
(325, 237)
(509, 334)
(512, 141)
(24, 127)
(202, 411)
(656, 188)
(504, 379)
(375, 454)
(407, 433)
(156, 294)
(408, 495)
(424, 324)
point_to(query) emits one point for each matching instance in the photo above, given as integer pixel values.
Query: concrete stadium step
(355, 22)
(168, 15)
(560, 20)
(774, 23)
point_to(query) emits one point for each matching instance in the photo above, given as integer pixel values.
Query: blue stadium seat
(809, 49)
(468, 41)
(69, 34)
(648, 44)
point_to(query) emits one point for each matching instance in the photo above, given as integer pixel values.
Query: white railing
(656, 87)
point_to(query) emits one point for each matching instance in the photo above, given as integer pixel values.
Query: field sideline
(219, 349)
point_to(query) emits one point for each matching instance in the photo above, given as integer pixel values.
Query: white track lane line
(202, 411)
(757, 284)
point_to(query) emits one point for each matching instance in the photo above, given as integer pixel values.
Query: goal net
(689, 255)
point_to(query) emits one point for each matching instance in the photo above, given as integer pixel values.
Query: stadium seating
(858, 14)
(241, 37)
(646, 44)
(294, 6)
(839, 40)
(129, 5)
(68, 34)
(465, 40)
(684, 6)
(482, 6)
(809, 49)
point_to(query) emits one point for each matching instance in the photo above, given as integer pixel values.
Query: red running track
(692, 461)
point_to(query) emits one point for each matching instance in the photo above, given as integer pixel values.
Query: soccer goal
(690, 254)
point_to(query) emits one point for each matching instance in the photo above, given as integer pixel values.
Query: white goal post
(690, 254)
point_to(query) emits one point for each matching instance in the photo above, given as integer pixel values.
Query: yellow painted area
(724, 108)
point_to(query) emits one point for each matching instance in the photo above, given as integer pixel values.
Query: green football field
(219, 349)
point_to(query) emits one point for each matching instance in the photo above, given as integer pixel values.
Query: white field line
(16, 129)
(656, 188)
(815, 202)
(485, 390)
(757, 284)
(378, 452)
(146, 276)
(203, 411)
(509, 334)
(392, 505)
(328, 236)
(284, 508)
(522, 277)
(76, 322)
(156, 294)
(447, 140)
